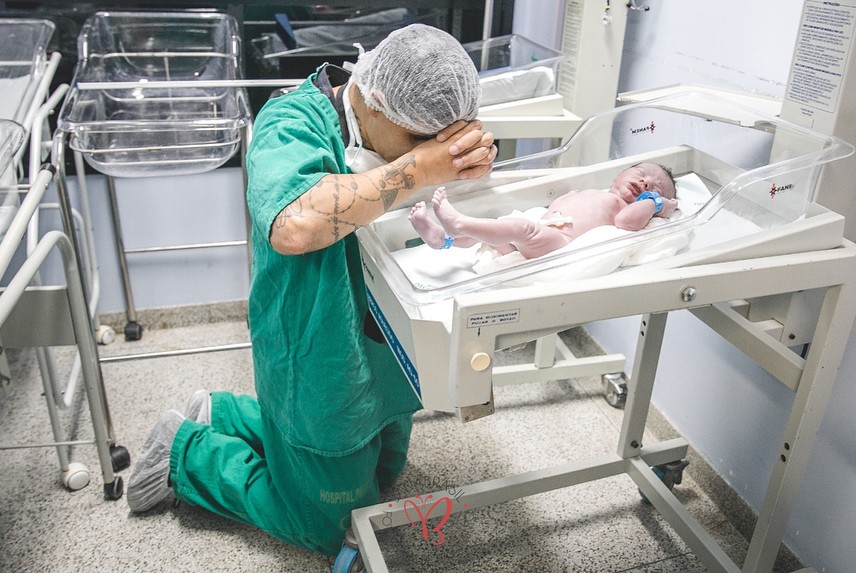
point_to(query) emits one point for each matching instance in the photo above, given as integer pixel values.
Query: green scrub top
(325, 384)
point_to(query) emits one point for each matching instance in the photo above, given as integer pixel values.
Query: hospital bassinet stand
(34, 316)
(706, 288)
(155, 94)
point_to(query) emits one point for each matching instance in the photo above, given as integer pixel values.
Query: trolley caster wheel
(133, 331)
(348, 561)
(76, 476)
(671, 474)
(105, 335)
(120, 457)
(615, 389)
(114, 490)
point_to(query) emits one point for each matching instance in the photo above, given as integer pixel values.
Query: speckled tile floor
(599, 527)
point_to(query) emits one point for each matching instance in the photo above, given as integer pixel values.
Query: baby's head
(642, 177)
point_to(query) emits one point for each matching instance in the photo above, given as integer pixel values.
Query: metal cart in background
(32, 315)
(155, 94)
(26, 74)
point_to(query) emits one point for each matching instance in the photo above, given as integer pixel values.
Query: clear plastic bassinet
(152, 96)
(756, 178)
(23, 45)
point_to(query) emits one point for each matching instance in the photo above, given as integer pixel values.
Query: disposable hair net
(420, 78)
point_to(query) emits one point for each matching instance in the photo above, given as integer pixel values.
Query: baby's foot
(446, 213)
(431, 232)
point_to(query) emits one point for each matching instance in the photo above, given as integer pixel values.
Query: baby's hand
(669, 207)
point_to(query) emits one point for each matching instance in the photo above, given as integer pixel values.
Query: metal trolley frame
(713, 292)
(34, 316)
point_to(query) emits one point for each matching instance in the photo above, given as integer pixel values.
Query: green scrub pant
(240, 467)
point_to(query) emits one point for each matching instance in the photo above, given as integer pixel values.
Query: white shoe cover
(199, 407)
(149, 483)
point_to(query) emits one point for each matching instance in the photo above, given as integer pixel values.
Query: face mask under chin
(357, 158)
(360, 159)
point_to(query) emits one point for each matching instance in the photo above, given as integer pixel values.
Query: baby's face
(635, 180)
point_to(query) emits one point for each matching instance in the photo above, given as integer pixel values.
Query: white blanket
(428, 268)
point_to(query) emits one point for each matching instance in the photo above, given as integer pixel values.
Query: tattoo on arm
(394, 179)
(337, 198)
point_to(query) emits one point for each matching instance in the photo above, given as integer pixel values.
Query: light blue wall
(166, 211)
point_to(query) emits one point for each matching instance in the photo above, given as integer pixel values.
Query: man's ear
(357, 99)
(360, 106)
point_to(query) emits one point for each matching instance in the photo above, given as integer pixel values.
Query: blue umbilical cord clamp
(447, 242)
(655, 197)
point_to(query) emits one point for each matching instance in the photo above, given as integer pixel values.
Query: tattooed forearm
(341, 198)
(339, 204)
(395, 178)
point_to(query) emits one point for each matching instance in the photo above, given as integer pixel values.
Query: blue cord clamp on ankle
(447, 242)
(655, 197)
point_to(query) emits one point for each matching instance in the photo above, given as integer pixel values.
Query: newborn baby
(637, 194)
